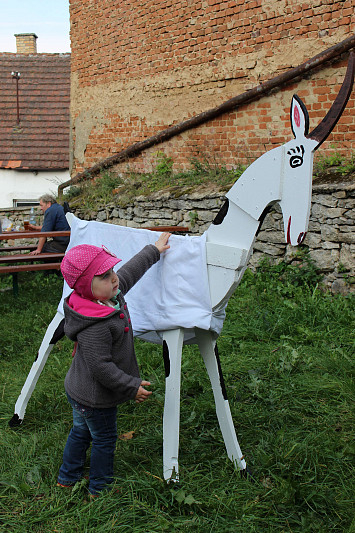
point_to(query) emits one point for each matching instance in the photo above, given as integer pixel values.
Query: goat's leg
(172, 350)
(208, 350)
(54, 332)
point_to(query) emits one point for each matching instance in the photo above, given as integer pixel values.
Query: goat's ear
(299, 117)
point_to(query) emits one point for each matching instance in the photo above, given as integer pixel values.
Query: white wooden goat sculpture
(283, 175)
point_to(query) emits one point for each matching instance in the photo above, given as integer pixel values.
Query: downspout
(229, 105)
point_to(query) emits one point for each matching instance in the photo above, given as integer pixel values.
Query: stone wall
(141, 67)
(330, 238)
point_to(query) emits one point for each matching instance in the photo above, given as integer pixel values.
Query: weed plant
(286, 351)
(94, 192)
(202, 170)
(337, 162)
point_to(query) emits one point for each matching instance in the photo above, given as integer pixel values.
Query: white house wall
(26, 185)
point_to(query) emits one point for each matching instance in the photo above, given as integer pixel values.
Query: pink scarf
(86, 307)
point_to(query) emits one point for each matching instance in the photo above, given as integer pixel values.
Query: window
(25, 203)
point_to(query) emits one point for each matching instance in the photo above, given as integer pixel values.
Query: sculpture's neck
(237, 229)
(230, 238)
(258, 187)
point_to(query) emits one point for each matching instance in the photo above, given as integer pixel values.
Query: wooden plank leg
(172, 350)
(207, 345)
(51, 336)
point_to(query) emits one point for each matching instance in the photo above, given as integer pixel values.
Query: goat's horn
(324, 128)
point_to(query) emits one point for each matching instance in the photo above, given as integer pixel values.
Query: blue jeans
(96, 426)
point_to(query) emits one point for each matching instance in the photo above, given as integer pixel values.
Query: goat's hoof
(15, 421)
(246, 473)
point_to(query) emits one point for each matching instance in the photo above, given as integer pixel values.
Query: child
(104, 371)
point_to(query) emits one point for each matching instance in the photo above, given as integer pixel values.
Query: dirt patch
(333, 176)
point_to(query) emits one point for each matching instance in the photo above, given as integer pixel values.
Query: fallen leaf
(127, 436)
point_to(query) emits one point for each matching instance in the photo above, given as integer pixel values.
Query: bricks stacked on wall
(138, 68)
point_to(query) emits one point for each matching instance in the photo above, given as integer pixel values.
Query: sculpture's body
(283, 175)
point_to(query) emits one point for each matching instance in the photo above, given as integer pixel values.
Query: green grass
(287, 354)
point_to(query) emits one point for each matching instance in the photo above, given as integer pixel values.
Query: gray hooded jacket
(104, 371)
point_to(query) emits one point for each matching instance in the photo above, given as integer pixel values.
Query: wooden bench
(9, 262)
(15, 269)
(170, 229)
(27, 258)
(13, 263)
(29, 247)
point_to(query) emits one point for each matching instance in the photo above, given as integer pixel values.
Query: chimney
(26, 43)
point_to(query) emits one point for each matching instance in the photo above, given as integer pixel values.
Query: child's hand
(143, 394)
(161, 243)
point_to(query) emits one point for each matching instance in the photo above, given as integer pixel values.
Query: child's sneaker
(82, 481)
(94, 496)
(64, 486)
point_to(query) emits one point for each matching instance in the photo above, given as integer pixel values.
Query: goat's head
(297, 160)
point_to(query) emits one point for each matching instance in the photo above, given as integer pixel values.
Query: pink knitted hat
(81, 263)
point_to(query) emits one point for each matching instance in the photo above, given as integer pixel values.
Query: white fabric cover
(173, 293)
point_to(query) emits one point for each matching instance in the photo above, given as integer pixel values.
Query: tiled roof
(41, 140)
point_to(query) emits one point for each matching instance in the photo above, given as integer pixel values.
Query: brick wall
(140, 67)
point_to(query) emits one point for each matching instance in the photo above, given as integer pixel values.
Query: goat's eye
(296, 159)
